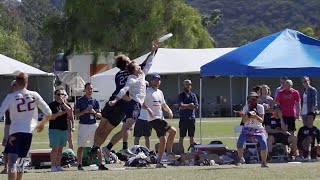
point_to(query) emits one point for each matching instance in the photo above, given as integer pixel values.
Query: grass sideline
(213, 129)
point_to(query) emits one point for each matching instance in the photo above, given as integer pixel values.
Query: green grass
(213, 129)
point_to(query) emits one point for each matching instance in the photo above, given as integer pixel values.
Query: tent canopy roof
(178, 61)
(285, 53)
(9, 66)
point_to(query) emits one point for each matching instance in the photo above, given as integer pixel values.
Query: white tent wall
(42, 84)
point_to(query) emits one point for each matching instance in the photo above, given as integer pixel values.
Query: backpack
(68, 158)
(140, 160)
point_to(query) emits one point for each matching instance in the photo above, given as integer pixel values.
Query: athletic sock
(110, 146)
(125, 145)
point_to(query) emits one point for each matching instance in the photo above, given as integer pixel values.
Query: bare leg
(102, 132)
(172, 133)
(5, 163)
(136, 140)
(59, 156)
(70, 142)
(263, 156)
(147, 141)
(19, 175)
(53, 156)
(161, 148)
(240, 152)
(123, 132)
(293, 140)
(80, 155)
(270, 143)
(181, 141)
(191, 141)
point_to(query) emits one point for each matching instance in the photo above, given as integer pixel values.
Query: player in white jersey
(136, 86)
(23, 106)
(154, 103)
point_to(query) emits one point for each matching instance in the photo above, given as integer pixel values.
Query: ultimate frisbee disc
(165, 37)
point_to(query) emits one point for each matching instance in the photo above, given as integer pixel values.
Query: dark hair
(131, 67)
(312, 114)
(256, 89)
(56, 91)
(121, 62)
(284, 78)
(86, 85)
(21, 79)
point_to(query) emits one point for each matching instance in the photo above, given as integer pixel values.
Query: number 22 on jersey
(26, 103)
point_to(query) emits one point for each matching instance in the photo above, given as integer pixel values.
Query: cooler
(40, 158)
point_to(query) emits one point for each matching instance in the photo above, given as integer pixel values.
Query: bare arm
(81, 113)
(168, 110)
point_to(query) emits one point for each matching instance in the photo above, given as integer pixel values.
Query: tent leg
(179, 90)
(247, 88)
(231, 104)
(200, 110)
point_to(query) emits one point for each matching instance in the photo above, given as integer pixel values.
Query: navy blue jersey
(274, 123)
(305, 131)
(121, 79)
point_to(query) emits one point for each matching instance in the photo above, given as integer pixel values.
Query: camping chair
(281, 156)
(238, 130)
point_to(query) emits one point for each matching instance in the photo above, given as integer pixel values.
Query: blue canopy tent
(285, 53)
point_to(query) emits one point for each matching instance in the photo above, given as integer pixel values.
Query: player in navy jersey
(113, 115)
(278, 132)
(307, 136)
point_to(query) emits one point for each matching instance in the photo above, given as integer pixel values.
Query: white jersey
(154, 100)
(23, 107)
(254, 123)
(136, 85)
(143, 114)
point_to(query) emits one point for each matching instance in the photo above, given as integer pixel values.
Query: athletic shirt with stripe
(23, 106)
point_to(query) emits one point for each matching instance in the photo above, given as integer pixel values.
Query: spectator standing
(188, 103)
(309, 99)
(266, 101)
(289, 101)
(282, 85)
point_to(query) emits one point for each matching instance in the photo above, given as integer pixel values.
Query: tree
(125, 26)
(13, 46)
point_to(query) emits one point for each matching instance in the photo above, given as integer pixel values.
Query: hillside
(247, 20)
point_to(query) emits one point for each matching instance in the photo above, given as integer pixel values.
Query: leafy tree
(125, 26)
(13, 46)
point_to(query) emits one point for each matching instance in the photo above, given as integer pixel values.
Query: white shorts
(86, 134)
(5, 134)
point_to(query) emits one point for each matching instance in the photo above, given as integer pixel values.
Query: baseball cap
(187, 81)
(155, 76)
(253, 94)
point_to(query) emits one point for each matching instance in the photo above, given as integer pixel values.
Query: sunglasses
(61, 94)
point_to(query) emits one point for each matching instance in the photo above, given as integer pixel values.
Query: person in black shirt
(278, 132)
(307, 136)
(58, 129)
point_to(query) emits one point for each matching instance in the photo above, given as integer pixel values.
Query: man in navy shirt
(188, 103)
(278, 132)
(307, 136)
(87, 109)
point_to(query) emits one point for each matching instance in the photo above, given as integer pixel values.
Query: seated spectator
(278, 132)
(252, 118)
(306, 138)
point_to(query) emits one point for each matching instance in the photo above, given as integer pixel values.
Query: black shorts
(132, 110)
(19, 143)
(160, 126)
(187, 125)
(281, 138)
(142, 128)
(115, 114)
(291, 122)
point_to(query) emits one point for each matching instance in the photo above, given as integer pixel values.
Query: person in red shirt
(289, 101)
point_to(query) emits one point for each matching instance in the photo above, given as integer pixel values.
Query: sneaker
(102, 168)
(59, 168)
(160, 165)
(127, 152)
(106, 152)
(4, 171)
(298, 158)
(240, 161)
(264, 165)
(54, 169)
(171, 156)
(307, 159)
(80, 168)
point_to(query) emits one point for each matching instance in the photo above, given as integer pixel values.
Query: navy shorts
(291, 122)
(19, 143)
(132, 110)
(187, 125)
(142, 128)
(281, 138)
(114, 114)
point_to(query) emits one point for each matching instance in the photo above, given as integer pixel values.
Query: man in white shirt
(154, 103)
(23, 106)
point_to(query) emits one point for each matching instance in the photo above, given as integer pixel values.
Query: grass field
(213, 129)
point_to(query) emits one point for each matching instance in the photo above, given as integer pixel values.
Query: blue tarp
(285, 53)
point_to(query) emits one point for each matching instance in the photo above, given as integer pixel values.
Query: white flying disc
(294, 162)
(165, 37)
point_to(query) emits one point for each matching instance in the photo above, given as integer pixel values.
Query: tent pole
(231, 104)
(247, 88)
(200, 110)
(179, 90)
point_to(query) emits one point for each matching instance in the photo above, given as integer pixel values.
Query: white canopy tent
(167, 61)
(39, 81)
